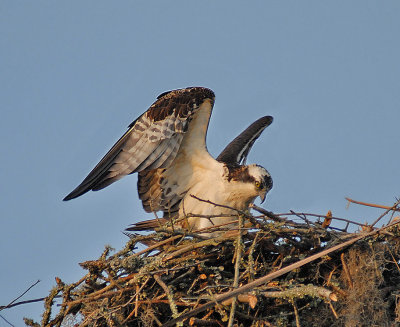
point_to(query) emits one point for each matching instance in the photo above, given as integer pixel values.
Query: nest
(272, 271)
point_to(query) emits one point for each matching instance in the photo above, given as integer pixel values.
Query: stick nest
(165, 274)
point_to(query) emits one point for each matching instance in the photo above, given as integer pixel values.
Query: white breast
(209, 183)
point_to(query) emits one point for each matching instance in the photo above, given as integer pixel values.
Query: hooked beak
(262, 196)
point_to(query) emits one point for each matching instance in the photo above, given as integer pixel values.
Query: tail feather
(148, 225)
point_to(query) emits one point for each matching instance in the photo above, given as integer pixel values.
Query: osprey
(166, 146)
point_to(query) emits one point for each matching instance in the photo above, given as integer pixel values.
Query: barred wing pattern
(151, 143)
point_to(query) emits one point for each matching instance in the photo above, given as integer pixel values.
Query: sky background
(74, 74)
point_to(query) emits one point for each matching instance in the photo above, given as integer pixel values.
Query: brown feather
(148, 224)
(239, 173)
(179, 101)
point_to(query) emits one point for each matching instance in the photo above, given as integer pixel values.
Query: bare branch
(385, 213)
(11, 304)
(6, 321)
(372, 205)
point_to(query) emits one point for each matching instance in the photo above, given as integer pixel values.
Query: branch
(219, 205)
(12, 304)
(154, 246)
(269, 214)
(237, 272)
(300, 291)
(25, 302)
(320, 216)
(170, 297)
(6, 321)
(372, 205)
(386, 212)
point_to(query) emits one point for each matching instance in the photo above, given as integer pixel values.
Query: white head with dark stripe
(262, 180)
(250, 182)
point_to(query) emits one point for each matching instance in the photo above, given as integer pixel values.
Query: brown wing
(152, 141)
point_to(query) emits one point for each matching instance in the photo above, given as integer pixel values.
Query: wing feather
(154, 157)
(149, 188)
(236, 152)
(152, 141)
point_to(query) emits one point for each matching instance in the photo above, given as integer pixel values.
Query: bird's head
(261, 180)
(249, 182)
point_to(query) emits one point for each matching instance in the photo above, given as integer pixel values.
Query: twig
(296, 312)
(346, 271)
(267, 213)
(92, 298)
(104, 292)
(333, 310)
(27, 302)
(267, 278)
(372, 205)
(237, 273)
(243, 298)
(166, 270)
(394, 260)
(48, 302)
(303, 217)
(301, 291)
(135, 311)
(6, 321)
(250, 263)
(18, 297)
(240, 212)
(136, 297)
(277, 218)
(181, 232)
(158, 322)
(170, 297)
(152, 247)
(320, 216)
(385, 213)
(198, 232)
(201, 322)
(213, 241)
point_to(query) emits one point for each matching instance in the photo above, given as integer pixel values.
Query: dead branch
(238, 257)
(372, 205)
(170, 297)
(12, 303)
(385, 213)
(301, 291)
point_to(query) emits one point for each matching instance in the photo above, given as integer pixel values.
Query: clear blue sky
(74, 74)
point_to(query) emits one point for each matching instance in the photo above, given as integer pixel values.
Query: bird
(177, 175)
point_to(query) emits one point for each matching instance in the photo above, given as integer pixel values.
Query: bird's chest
(204, 198)
(210, 196)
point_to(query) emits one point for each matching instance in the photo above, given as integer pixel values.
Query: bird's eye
(258, 184)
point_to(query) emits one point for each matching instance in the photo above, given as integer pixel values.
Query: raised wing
(236, 152)
(152, 141)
